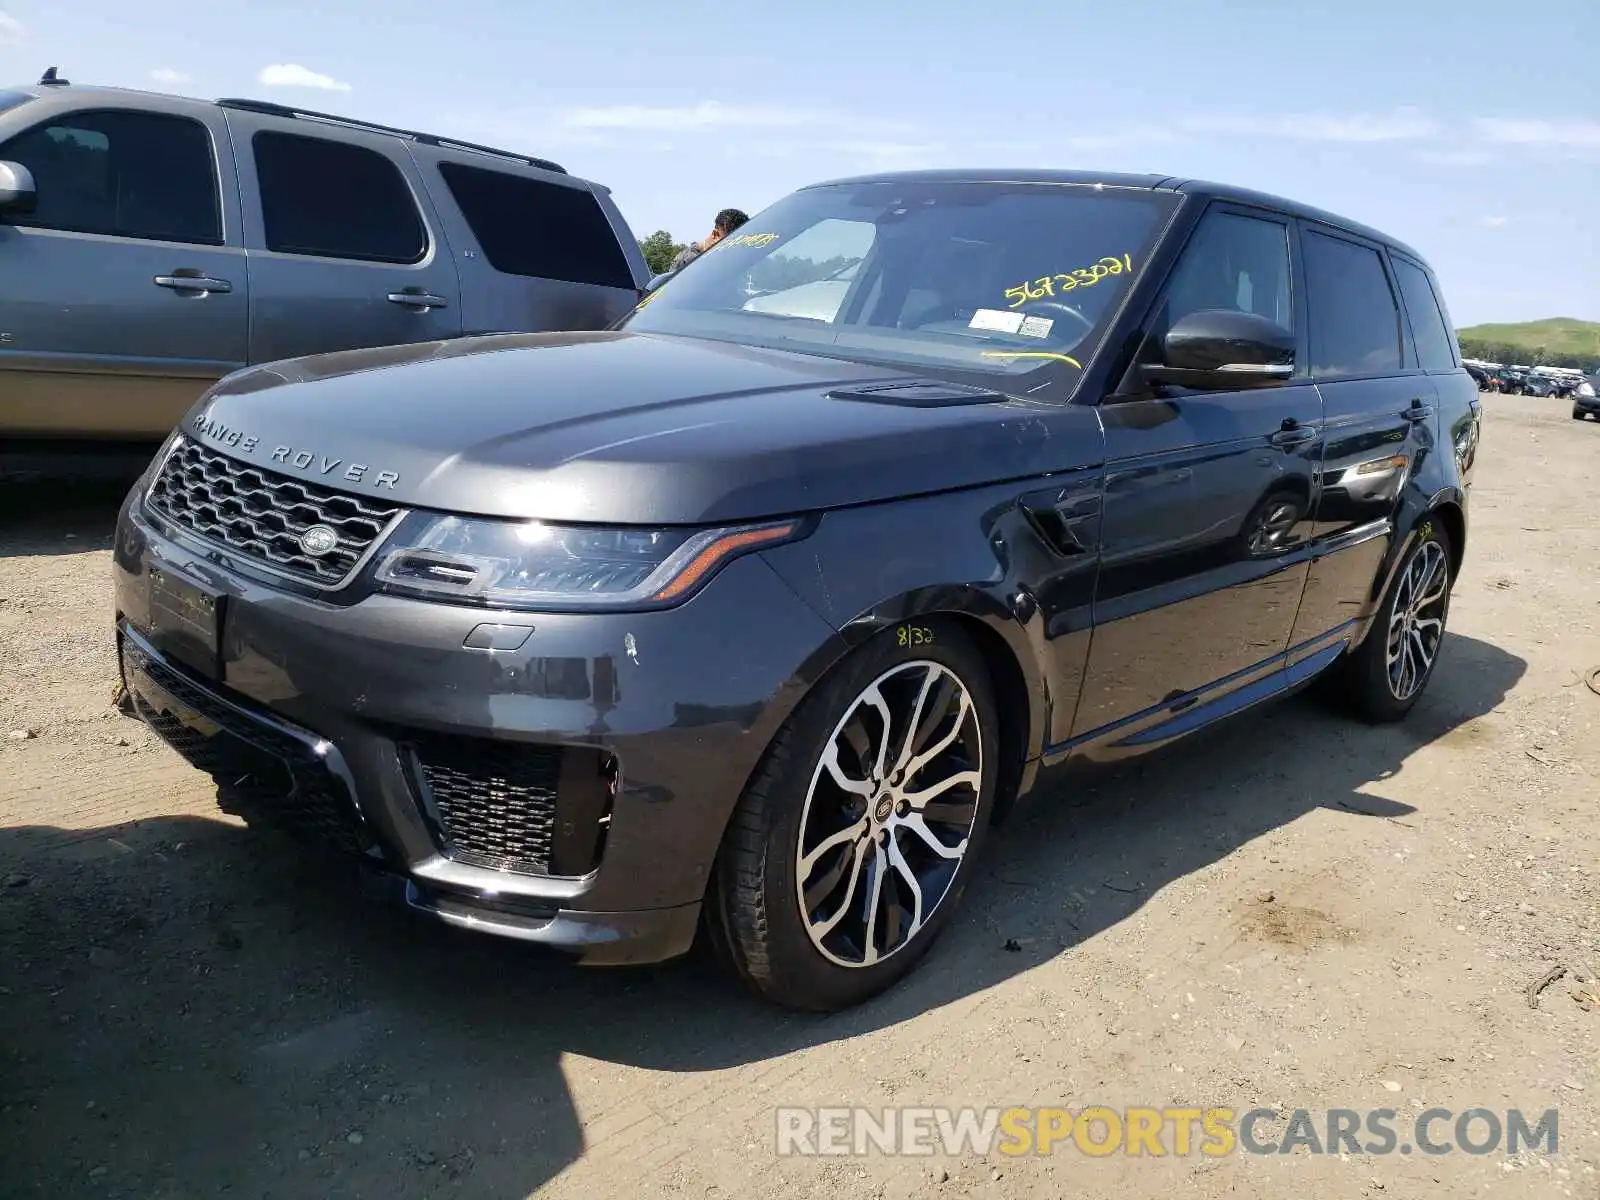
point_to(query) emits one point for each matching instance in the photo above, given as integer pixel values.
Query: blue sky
(1471, 131)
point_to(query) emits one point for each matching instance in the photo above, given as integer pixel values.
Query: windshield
(996, 278)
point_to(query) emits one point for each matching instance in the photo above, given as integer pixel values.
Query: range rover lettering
(747, 619)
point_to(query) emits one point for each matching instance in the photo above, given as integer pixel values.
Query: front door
(1205, 533)
(345, 252)
(125, 293)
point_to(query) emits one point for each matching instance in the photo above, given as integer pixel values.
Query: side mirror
(17, 192)
(1218, 349)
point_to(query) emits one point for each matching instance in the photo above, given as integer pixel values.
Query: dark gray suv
(752, 616)
(151, 244)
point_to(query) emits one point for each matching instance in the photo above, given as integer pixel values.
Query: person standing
(727, 221)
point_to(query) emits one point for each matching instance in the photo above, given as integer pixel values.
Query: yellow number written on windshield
(1067, 281)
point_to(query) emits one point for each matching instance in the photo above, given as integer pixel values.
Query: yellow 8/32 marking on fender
(913, 635)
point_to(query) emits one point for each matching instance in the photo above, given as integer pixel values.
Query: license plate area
(185, 619)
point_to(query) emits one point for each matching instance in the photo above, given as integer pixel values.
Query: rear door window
(123, 173)
(335, 200)
(538, 229)
(1435, 343)
(1355, 321)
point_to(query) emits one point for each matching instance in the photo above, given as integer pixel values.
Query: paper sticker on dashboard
(995, 319)
(1035, 327)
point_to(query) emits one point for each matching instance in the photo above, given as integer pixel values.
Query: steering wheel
(1057, 306)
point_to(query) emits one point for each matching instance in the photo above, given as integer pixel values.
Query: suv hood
(618, 427)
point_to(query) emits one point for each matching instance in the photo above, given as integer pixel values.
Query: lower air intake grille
(495, 800)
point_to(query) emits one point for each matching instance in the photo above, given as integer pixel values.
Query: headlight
(529, 564)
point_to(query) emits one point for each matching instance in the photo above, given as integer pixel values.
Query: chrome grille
(261, 514)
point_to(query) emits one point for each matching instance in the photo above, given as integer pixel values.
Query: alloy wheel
(1416, 622)
(889, 813)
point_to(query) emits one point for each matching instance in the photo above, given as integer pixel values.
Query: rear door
(1378, 405)
(124, 294)
(1204, 535)
(538, 250)
(345, 249)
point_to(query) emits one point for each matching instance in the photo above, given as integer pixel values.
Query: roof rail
(427, 139)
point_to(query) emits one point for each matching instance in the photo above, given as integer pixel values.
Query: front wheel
(1387, 673)
(849, 850)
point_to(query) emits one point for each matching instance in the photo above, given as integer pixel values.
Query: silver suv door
(537, 249)
(345, 250)
(123, 294)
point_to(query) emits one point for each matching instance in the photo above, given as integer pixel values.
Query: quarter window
(126, 174)
(335, 200)
(538, 229)
(1355, 323)
(1435, 343)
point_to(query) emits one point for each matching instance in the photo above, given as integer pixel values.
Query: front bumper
(572, 791)
(1589, 404)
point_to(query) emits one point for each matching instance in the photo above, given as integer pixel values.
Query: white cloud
(294, 75)
(168, 76)
(710, 115)
(1493, 222)
(1403, 124)
(887, 155)
(12, 31)
(1457, 158)
(1557, 135)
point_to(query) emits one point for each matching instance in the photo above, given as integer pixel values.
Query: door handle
(1293, 433)
(193, 283)
(421, 301)
(1418, 411)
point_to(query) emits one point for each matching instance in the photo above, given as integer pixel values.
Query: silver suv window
(124, 173)
(335, 200)
(538, 229)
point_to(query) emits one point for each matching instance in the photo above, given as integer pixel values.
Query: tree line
(659, 250)
(1536, 356)
(771, 273)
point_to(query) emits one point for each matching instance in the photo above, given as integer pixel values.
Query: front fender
(865, 570)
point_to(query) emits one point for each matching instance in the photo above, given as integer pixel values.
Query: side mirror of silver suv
(17, 191)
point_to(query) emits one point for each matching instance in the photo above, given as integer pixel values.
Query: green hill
(1553, 341)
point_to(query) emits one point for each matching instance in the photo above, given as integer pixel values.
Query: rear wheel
(850, 849)
(1385, 677)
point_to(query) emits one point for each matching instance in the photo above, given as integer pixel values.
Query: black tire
(1577, 413)
(753, 907)
(1366, 680)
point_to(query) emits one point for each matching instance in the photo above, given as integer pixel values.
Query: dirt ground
(191, 1008)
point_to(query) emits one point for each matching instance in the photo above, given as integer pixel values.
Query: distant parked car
(189, 239)
(1586, 399)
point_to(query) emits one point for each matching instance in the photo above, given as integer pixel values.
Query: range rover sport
(748, 618)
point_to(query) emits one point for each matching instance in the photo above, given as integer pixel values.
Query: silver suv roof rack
(426, 139)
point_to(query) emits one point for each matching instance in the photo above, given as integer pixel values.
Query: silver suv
(151, 244)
